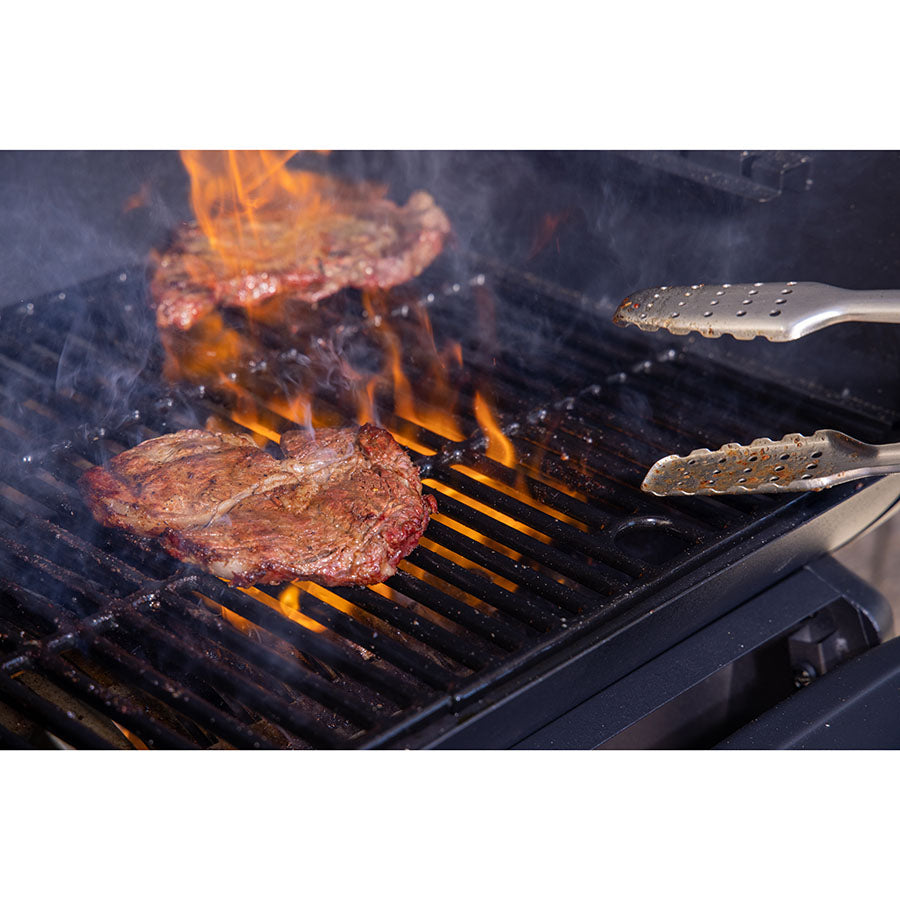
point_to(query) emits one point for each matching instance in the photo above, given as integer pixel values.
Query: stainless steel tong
(780, 312)
(794, 463)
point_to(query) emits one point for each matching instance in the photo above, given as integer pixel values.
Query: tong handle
(861, 306)
(779, 311)
(886, 459)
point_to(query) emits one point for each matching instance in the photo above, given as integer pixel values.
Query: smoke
(65, 218)
(103, 358)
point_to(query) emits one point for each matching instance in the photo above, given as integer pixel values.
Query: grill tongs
(778, 312)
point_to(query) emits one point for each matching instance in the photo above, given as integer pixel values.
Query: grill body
(589, 579)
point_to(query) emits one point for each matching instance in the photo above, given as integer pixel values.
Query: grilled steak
(344, 506)
(361, 240)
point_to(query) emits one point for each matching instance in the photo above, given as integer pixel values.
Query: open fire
(235, 196)
(236, 193)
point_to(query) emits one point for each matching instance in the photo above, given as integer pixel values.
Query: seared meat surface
(343, 507)
(361, 240)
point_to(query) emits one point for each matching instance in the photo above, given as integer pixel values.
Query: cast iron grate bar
(475, 656)
(568, 599)
(9, 740)
(104, 701)
(55, 720)
(283, 669)
(87, 635)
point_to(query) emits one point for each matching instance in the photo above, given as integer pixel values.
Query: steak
(358, 240)
(342, 507)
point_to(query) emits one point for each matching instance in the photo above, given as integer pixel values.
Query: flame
(232, 618)
(289, 606)
(236, 195)
(287, 603)
(499, 446)
(547, 230)
(421, 416)
(132, 738)
(438, 419)
(139, 199)
(212, 351)
(235, 192)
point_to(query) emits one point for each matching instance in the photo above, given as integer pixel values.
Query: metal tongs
(779, 312)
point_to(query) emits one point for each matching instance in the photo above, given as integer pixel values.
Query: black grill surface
(108, 643)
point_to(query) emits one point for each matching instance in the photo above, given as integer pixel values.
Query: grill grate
(109, 643)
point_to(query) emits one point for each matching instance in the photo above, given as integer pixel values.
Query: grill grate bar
(593, 545)
(424, 594)
(87, 635)
(595, 480)
(287, 670)
(404, 658)
(176, 695)
(596, 474)
(105, 702)
(536, 483)
(49, 716)
(599, 577)
(86, 587)
(570, 599)
(304, 640)
(474, 655)
(499, 630)
(11, 741)
(796, 410)
(88, 691)
(486, 591)
(231, 682)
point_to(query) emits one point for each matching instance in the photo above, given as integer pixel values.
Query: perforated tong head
(795, 463)
(779, 311)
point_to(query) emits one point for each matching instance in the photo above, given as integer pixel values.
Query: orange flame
(436, 418)
(499, 446)
(235, 192)
(289, 605)
(139, 199)
(236, 195)
(133, 739)
(547, 229)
